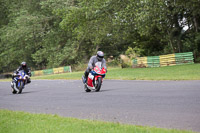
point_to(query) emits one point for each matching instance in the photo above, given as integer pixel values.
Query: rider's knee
(29, 81)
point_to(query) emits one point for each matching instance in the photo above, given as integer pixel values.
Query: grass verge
(179, 72)
(20, 122)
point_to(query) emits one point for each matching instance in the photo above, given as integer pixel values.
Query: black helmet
(100, 55)
(23, 64)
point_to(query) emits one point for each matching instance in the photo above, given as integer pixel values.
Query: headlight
(20, 77)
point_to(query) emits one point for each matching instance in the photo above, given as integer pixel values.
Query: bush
(79, 67)
(113, 63)
(126, 62)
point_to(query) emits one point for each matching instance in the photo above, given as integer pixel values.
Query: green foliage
(4, 12)
(133, 52)
(53, 33)
(114, 63)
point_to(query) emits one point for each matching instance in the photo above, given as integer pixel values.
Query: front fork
(20, 83)
(96, 78)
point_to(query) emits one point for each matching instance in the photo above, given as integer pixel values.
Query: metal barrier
(52, 71)
(164, 60)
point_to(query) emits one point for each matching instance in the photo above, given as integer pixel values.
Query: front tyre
(98, 84)
(21, 86)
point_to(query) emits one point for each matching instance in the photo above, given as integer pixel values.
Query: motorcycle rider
(26, 70)
(99, 57)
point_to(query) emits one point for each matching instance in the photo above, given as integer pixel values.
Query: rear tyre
(98, 84)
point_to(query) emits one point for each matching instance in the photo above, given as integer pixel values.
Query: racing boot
(83, 79)
(28, 80)
(12, 83)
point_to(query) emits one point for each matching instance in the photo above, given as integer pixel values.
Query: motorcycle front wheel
(98, 84)
(21, 86)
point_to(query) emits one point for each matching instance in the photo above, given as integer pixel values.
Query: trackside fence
(164, 60)
(52, 71)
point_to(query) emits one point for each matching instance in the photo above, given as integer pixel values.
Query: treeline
(52, 33)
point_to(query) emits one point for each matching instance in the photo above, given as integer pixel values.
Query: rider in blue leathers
(26, 70)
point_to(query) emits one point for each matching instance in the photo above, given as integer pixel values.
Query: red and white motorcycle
(95, 78)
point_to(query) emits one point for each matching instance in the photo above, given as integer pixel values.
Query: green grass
(179, 72)
(20, 122)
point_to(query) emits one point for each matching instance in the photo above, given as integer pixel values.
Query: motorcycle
(19, 81)
(95, 78)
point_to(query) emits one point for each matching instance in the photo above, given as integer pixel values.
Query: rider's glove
(91, 68)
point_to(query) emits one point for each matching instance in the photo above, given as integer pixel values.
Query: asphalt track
(165, 104)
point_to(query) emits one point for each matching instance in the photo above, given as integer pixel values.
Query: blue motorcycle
(19, 81)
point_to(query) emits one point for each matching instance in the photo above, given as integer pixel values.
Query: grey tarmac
(165, 104)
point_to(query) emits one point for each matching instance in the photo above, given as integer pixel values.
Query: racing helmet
(100, 55)
(23, 64)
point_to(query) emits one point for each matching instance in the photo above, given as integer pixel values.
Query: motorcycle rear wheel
(98, 84)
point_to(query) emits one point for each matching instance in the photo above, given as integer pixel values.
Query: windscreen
(21, 72)
(99, 64)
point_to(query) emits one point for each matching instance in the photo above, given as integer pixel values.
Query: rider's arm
(104, 64)
(18, 69)
(91, 62)
(29, 72)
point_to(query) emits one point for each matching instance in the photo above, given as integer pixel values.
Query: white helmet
(100, 55)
